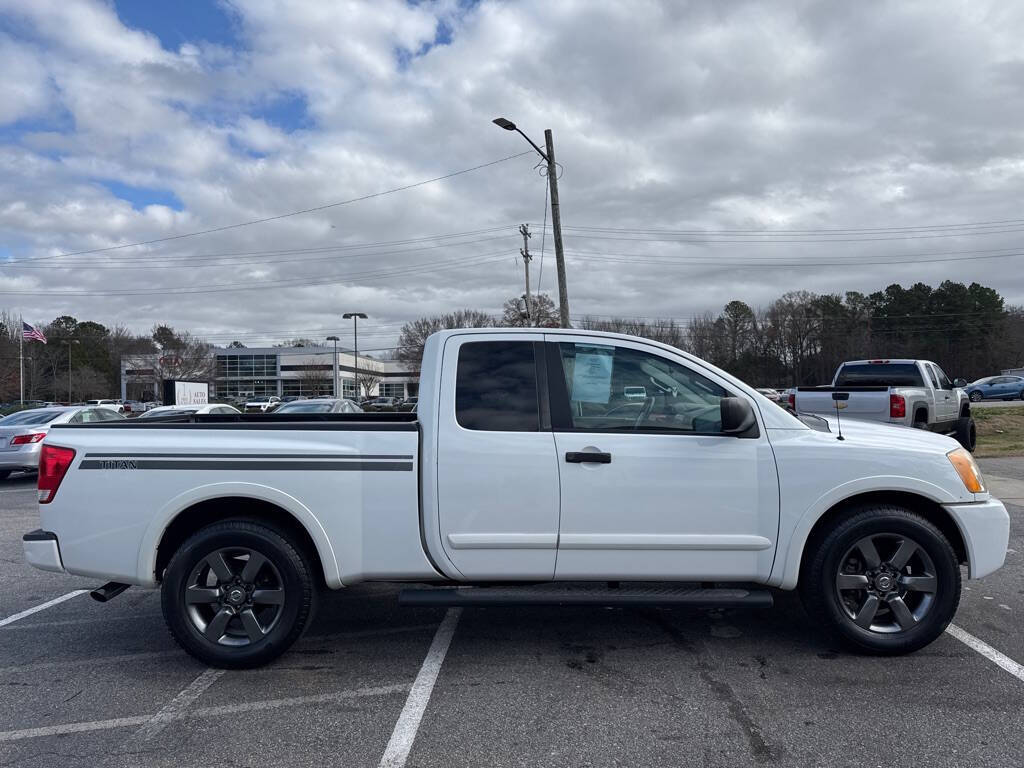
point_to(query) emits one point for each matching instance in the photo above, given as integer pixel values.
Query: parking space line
(404, 734)
(201, 712)
(986, 650)
(173, 709)
(148, 655)
(43, 607)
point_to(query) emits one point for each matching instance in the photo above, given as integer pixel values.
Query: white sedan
(191, 410)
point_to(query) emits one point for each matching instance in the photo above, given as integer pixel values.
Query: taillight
(54, 462)
(35, 437)
(897, 407)
(792, 400)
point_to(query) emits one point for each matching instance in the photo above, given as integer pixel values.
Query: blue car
(996, 388)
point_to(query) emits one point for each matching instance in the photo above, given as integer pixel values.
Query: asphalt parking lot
(85, 684)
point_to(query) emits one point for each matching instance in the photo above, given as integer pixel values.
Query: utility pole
(524, 230)
(556, 226)
(69, 342)
(556, 214)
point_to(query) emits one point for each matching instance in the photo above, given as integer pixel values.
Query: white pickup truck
(913, 393)
(530, 467)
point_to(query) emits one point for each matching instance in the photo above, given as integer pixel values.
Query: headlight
(967, 468)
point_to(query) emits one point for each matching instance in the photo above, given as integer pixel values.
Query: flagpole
(21, 356)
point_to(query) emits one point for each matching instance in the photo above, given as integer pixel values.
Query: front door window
(622, 389)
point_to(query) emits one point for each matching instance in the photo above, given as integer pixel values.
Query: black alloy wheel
(238, 593)
(884, 580)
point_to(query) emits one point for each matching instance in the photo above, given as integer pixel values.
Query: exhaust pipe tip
(108, 591)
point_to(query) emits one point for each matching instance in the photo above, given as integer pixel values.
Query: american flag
(30, 333)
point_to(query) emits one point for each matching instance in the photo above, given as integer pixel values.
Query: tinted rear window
(496, 387)
(880, 375)
(30, 417)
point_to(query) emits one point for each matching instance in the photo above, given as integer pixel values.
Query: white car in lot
(220, 409)
(113, 405)
(22, 433)
(521, 474)
(262, 404)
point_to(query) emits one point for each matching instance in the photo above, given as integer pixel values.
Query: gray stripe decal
(361, 456)
(354, 466)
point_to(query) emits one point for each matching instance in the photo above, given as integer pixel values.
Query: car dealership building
(282, 371)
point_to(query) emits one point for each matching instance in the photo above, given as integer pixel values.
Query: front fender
(786, 570)
(163, 518)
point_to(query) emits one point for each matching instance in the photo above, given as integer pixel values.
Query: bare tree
(543, 312)
(314, 381)
(180, 355)
(369, 376)
(414, 334)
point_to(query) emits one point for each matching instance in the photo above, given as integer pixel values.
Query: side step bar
(596, 594)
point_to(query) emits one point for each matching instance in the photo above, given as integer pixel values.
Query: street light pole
(355, 337)
(556, 214)
(69, 342)
(336, 382)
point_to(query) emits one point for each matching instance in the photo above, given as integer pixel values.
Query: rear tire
(885, 581)
(237, 594)
(5, 473)
(966, 433)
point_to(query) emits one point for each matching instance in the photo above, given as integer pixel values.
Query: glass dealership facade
(281, 371)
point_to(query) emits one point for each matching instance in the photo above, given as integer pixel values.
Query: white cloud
(708, 115)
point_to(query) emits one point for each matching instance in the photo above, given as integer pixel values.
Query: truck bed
(401, 420)
(350, 479)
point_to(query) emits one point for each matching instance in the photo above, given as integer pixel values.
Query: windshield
(30, 417)
(879, 375)
(323, 406)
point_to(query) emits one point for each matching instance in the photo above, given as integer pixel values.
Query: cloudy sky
(709, 151)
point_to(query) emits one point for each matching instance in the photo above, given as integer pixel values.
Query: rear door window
(496, 387)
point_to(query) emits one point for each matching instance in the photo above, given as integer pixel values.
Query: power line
(296, 213)
(725, 263)
(275, 252)
(302, 282)
(844, 230)
(278, 258)
(714, 240)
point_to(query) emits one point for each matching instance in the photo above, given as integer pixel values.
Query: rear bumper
(985, 526)
(26, 457)
(42, 550)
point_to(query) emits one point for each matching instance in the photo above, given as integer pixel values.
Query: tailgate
(865, 404)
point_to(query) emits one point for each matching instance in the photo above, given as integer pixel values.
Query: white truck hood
(889, 435)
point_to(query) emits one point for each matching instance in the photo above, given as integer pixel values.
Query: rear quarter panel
(111, 510)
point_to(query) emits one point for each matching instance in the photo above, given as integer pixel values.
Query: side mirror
(959, 382)
(738, 417)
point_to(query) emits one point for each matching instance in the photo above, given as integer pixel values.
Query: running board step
(597, 594)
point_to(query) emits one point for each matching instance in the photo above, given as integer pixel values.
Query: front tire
(5, 473)
(975, 397)
(237, 594)
(885, 581)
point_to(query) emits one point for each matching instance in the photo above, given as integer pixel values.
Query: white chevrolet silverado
(914, 393)
(530, 467)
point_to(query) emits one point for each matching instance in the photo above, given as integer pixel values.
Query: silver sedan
(319, 405)
(22, 433)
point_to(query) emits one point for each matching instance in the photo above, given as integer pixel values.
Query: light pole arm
(539, 150)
